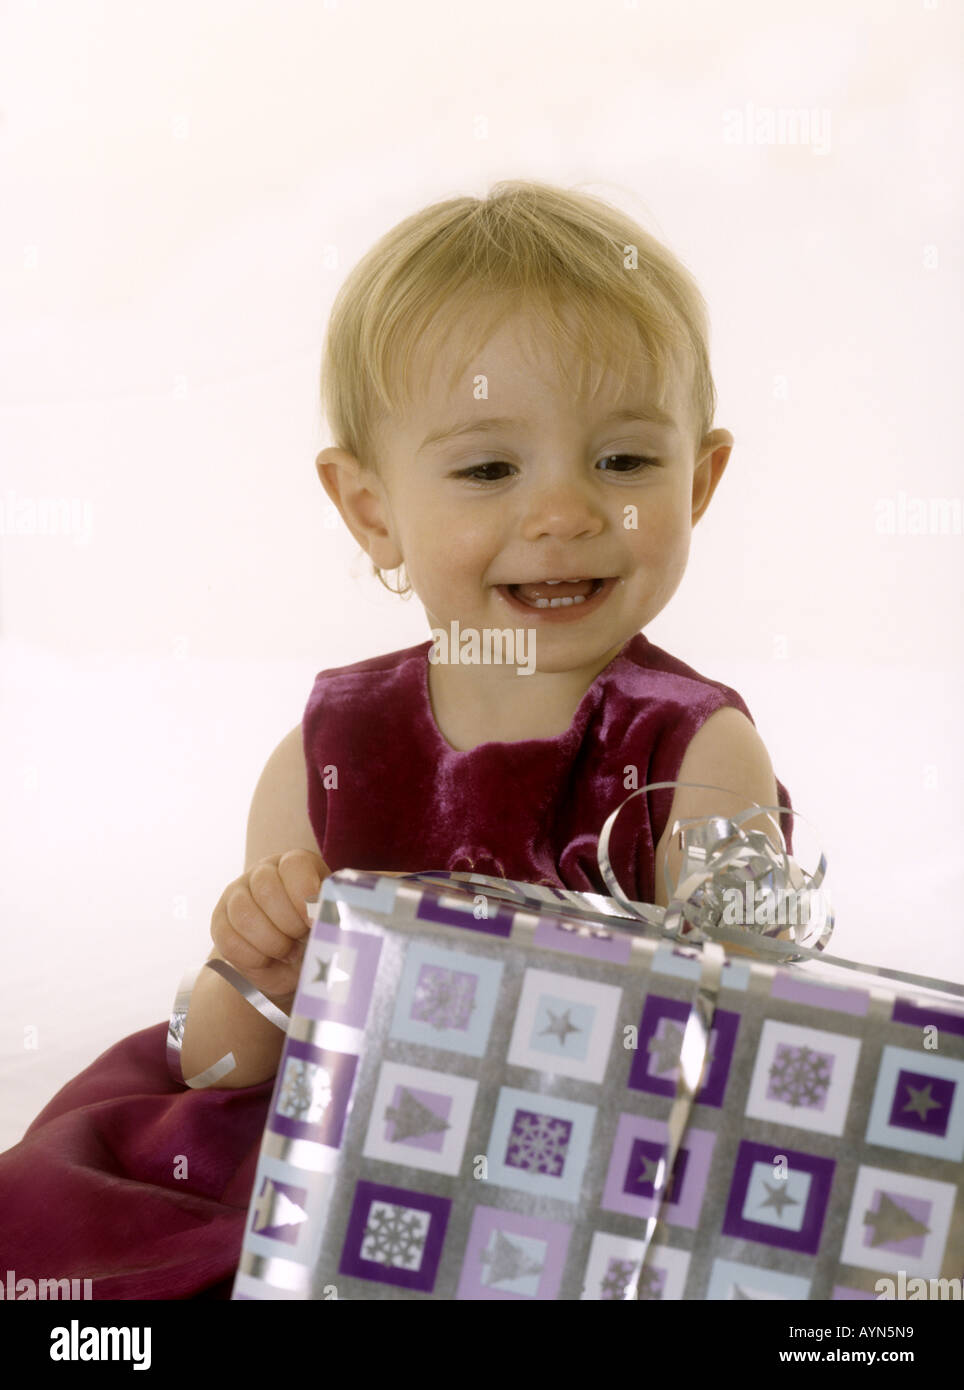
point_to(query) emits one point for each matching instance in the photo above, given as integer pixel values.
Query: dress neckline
(516, 746)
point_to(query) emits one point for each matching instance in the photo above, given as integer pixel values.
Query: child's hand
(261, 924)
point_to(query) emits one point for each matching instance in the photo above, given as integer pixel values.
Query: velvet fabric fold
(90, 1191)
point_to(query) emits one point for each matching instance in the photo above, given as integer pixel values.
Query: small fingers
(236, 950)
(270, 894)
(255, 928)
(301, 875)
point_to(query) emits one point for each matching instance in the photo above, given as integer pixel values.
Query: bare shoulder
(278, 819)
(726, 751)
(728, 746)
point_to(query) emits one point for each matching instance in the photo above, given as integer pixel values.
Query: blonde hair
(476, 261)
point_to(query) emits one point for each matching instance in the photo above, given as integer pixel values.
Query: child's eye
(479, 472)
(476, 472)
(636, 461)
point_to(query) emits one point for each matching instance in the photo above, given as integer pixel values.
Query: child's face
(547, 500)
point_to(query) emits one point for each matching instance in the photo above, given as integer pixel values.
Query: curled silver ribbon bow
(730, 877)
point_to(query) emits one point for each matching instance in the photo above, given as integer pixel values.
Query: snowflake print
(395, 1236)
(444, 998)
(305, 1091)
(538, 1143)
(800, 1077)
(651, 1283)
(617, 1279)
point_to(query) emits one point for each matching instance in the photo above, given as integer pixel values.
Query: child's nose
(563, 509)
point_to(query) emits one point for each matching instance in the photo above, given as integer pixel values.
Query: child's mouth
(558, 599)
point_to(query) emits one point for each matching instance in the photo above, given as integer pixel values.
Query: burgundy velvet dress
(89, 1191)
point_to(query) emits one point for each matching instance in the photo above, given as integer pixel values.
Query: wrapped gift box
(474, 1095)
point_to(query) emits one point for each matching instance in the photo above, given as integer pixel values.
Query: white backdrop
(184, 187)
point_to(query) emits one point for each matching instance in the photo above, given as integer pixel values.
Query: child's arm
(219, 1019)
(727, 752)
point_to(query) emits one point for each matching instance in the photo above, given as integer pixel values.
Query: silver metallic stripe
(648, 914)
(255, 998)
(776, 953)
(326, 1033)
(301, 1153)
(693, 1058)
(175, 1028)
(280, 1274)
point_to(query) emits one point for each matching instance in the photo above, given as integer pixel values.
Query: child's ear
(359, 495)
(711, 460)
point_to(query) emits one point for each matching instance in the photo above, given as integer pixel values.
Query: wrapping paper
(475, 1095)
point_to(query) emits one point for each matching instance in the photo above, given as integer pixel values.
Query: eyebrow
(651, 415)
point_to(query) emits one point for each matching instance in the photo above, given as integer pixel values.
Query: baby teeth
(559, 602)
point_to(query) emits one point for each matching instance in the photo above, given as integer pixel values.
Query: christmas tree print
(411, 1118)
(275, 1208)
(892, 1223)
(506, 1261)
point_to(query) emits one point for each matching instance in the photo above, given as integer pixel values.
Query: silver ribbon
(721, 858)
(175, 1028)
(692, 1065)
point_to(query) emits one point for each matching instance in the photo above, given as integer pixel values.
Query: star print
(779, 1198)
(650, 1168)
(667, 1048)
(922, 1103)
(561, 1026)
(328, 972)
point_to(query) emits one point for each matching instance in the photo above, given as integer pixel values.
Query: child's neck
(474, 705)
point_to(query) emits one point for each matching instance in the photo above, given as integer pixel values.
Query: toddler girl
(520, 394)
